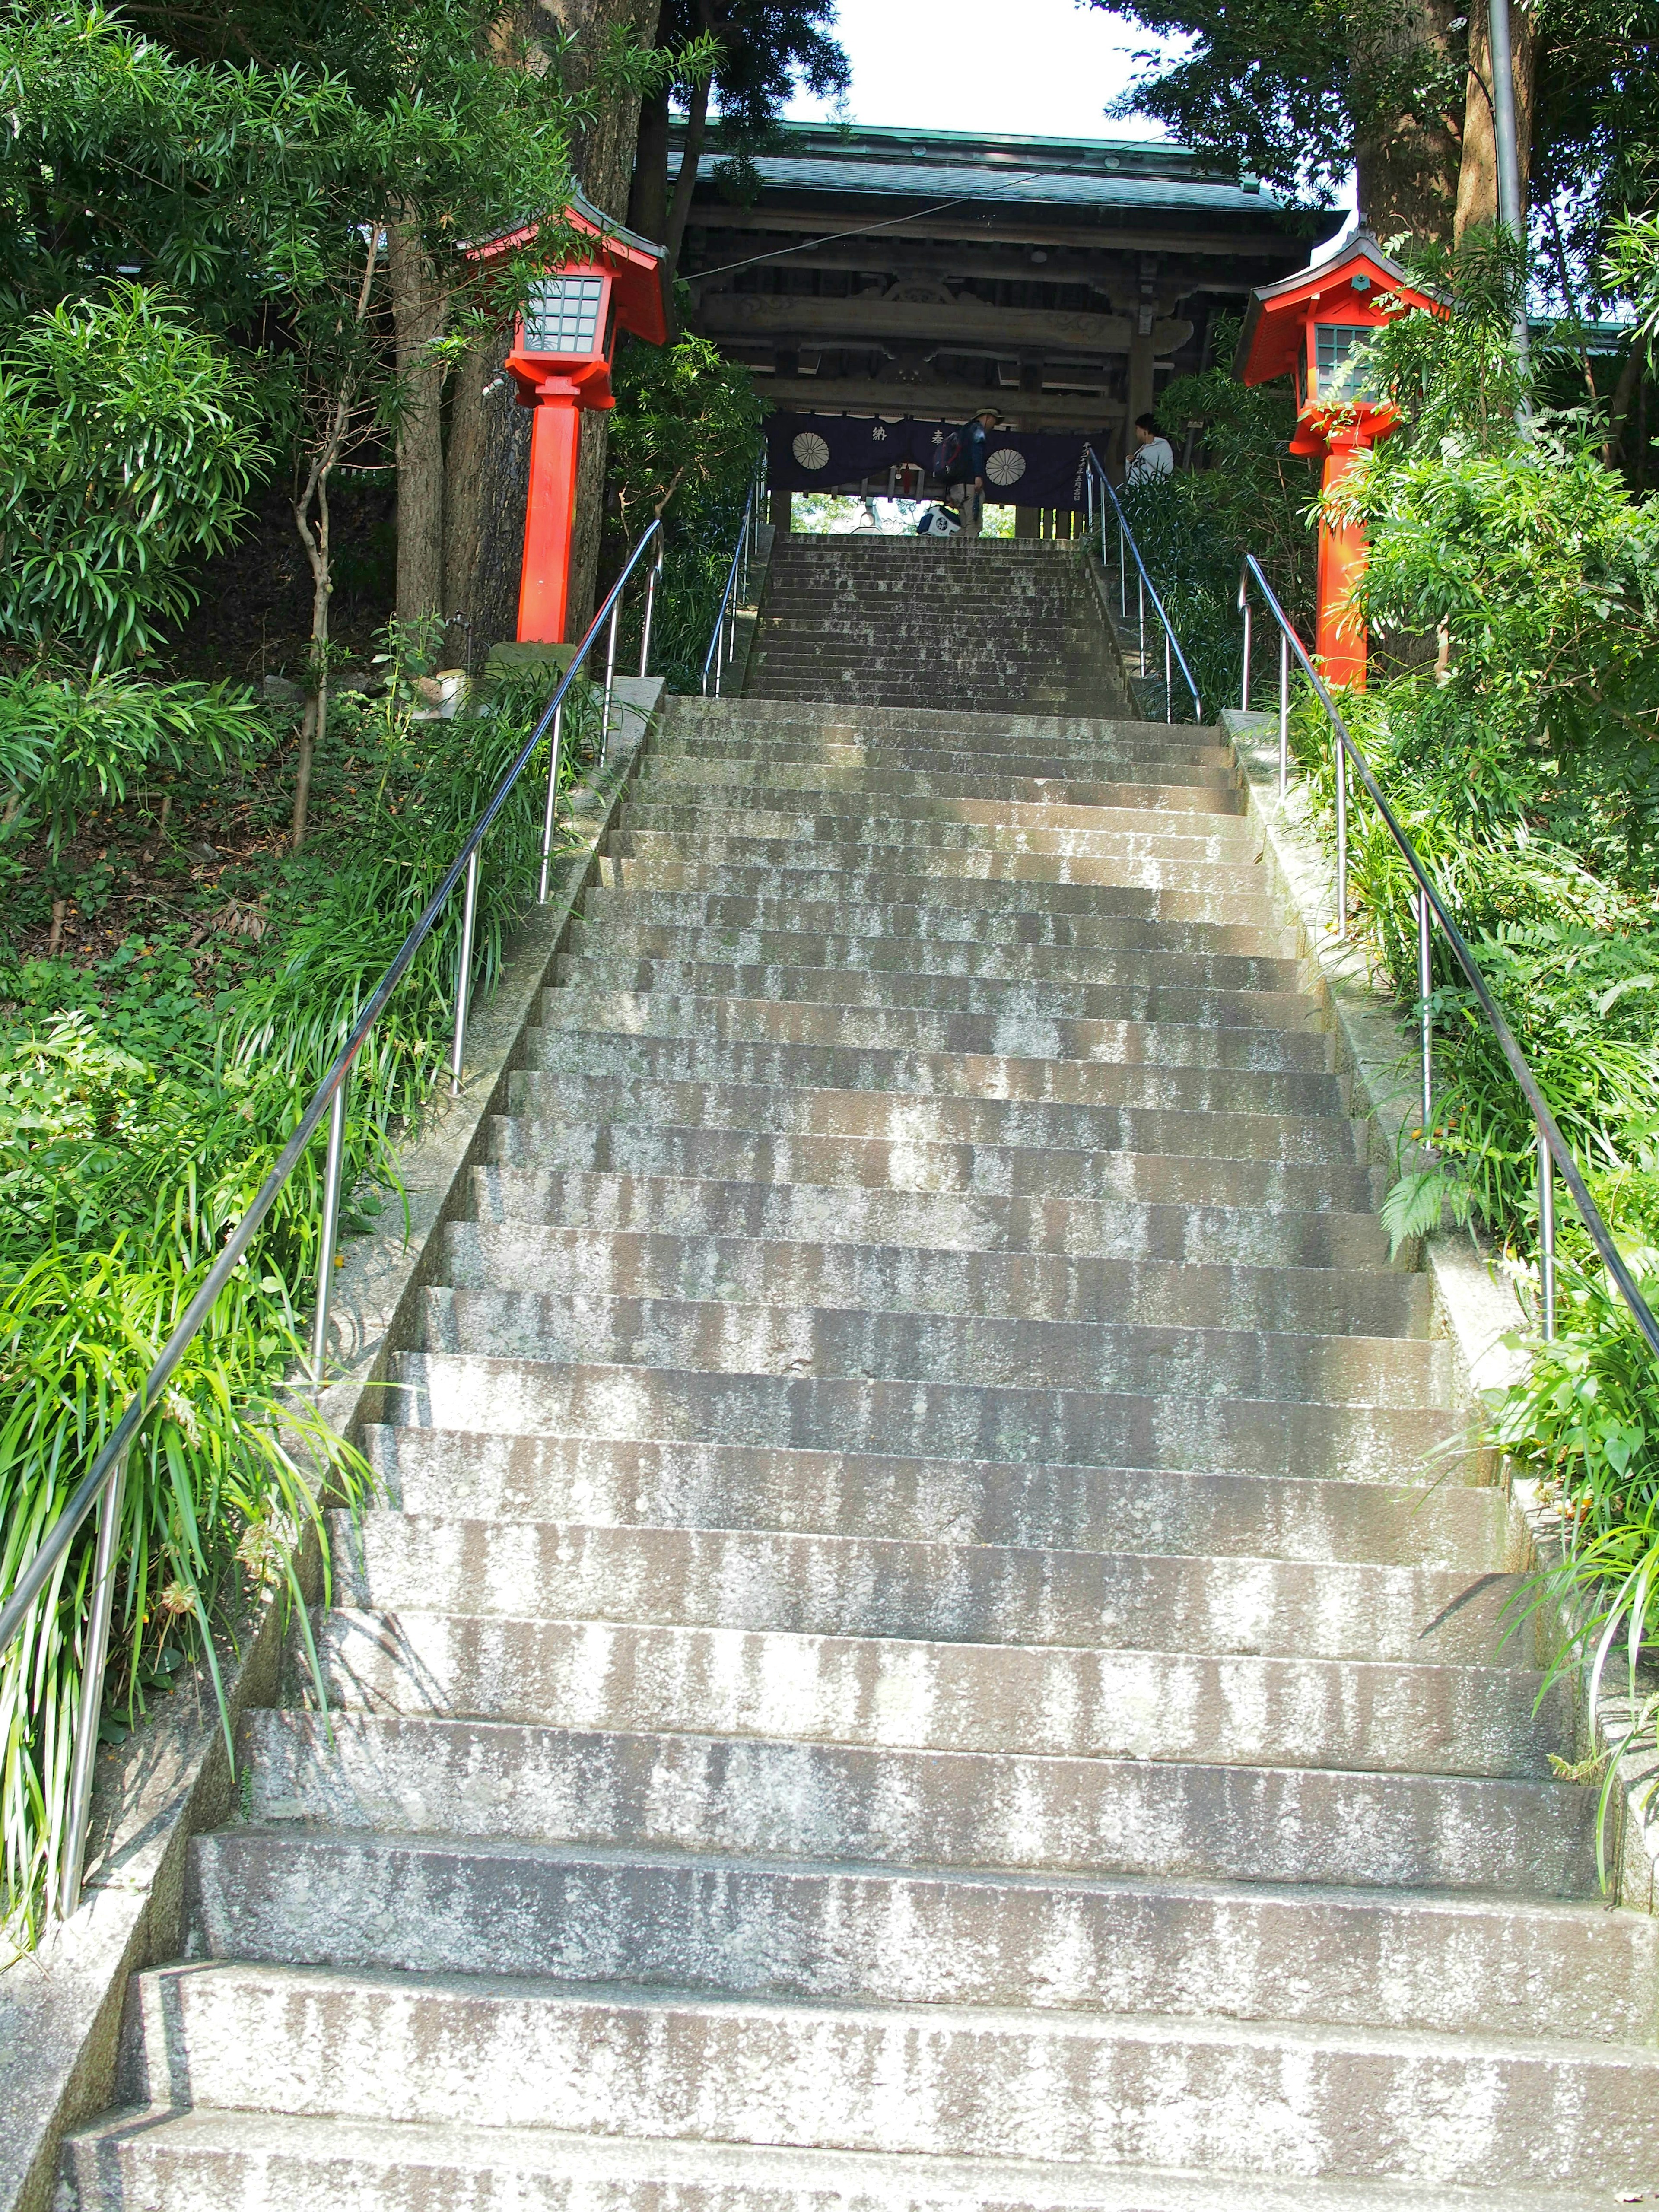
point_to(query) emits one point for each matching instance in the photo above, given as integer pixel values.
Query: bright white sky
(1041, 69)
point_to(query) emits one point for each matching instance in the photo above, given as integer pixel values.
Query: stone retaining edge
(1475, 1306)
(61, 2005)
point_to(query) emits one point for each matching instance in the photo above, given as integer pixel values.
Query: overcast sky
(1033, 67)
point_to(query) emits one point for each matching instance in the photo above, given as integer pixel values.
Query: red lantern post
(1318, 324)
(561, 361)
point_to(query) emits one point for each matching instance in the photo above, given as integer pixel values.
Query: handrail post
(1140, 616)
(1169, 677)
(91, 1700)
(1426, 1014)
(610, 679)
(333, 1168)
(1244, 684)
(1546, 1233)
(1284, 716)
(650, 610)
(1122, 576)
(464, 972)
(555, 758)
(720, 649)
(1341, 833)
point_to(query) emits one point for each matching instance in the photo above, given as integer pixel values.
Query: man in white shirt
(1153, 456)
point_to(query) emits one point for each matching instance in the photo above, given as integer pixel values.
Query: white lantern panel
(563, 316)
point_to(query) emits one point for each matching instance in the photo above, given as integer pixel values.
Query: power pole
(1511, 213)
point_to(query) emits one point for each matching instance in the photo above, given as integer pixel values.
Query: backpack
(948, 454)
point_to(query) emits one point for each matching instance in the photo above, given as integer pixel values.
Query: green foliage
(67, 745)
(124, 453)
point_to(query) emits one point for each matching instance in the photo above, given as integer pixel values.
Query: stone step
(1021, 889)
(883, 738)
(1184, 1024)
(908, 794)
(1234, 1178)
(222, 2162)
(924, 1420)
(934, 931)
(1121, 1229)
(620, 937)
(756, 722)
(1145, 999)
(609, 1481)
(392, 1561)
(1076, 782)
(712, 1337)
(948, 850)
(936, 2079)
(1138, 835)
(837, 1802)
(874, 1936)
(523, 1256)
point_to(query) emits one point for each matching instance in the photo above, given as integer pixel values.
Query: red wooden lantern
(1318, 324)
(561, 360)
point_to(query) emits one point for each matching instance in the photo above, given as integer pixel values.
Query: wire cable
(811, 244)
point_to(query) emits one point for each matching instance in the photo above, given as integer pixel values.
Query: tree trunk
(647, 201)
(488, 475)
(1406, 147)
(313, 727)
(1477, 172)
(696, 127)
(419, 307)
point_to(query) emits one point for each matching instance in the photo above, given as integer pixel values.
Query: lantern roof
(1276, 321)
(641, 287)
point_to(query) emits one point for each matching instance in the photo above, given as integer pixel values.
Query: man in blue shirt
(967, 496)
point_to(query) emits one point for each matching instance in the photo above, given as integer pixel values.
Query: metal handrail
(1553, 1150)
(721, 647)
(107, 1477)
(1145, 588)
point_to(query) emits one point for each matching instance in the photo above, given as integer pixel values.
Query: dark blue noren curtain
(1026, 468)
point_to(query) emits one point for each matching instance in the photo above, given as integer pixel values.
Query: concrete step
(613, 1482)
(948, 850)
(394, 1561)
(909, 795)
(955, 774)
(1028, 888)
(755, 723)
(936, 2080)
(936, 931)
(714, 1337)
(619, 937)
(893, 1279)
(1188, 1025)
(876, 1936)
(1139, 836)
(1235, 1178)
(845, 1803)
(1004, 998)
(914, 1419)
(221, 2161)
(1052, 1701)
(889, 737)
(1123, 1228)
(917, 1120)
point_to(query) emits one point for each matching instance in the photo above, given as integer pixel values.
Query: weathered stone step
(927, 1420)
(618, 938)
(1050, 1701)
(935, 930)
(897, 794)
(876, 1936)
(1143, 999)
(1010, 1032)
(822, 767)
(1138, 835)
(1237, 1175)
(971, 1096)
(930, 2079)
(756, 1797)
(948, 851)
(712, 1337)
(1125, 1229)
(219, 2161)
(523, 1256)
(892, 737)
(391, 1561)
(1022, 891)
(754, 722)
(620, 1483)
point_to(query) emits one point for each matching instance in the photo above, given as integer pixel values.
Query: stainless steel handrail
(1553, 1150)
(1145, 588)
(721, 644)
(107, 1477)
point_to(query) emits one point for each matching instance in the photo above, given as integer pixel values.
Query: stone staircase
(907, 1663)
(927, 621)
